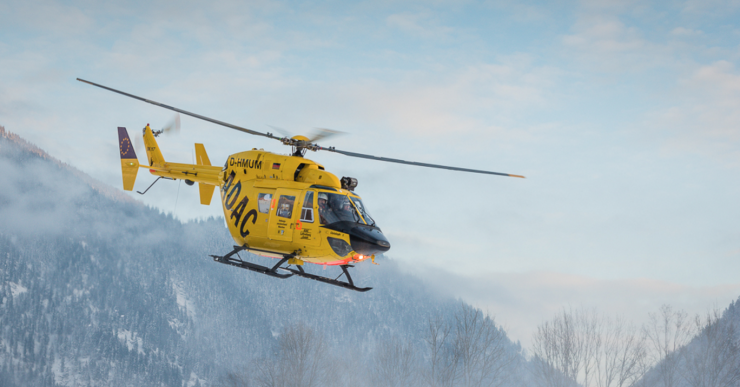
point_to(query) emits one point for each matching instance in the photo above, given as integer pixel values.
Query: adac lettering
(245, 163)
(230, 196)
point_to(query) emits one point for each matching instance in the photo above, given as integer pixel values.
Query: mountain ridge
(91, 181)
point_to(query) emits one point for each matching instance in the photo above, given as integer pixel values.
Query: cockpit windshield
(361, 207)
(336, 208)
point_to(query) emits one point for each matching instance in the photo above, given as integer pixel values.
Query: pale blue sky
(623, 115)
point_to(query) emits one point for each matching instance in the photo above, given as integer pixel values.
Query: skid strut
(229, 259)
(272, 272)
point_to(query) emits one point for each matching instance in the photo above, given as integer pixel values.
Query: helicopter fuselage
(279, 205)
(274, 205)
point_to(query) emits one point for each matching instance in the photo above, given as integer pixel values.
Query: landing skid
(229, 259)
(331, 281)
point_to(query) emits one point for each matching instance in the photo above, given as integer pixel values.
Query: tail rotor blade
(174, 126)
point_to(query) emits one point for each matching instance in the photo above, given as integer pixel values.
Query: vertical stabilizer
(129, 162)
(206, 190)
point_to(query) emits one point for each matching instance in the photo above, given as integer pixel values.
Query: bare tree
(270, 373)
(443, 359)
(713, 358)
(302, 360)
(666, 332)
(590, 339)
(622, 359)
(481, 349)
(395, 364)
(468, 351)
(558, 351)
(581, 347)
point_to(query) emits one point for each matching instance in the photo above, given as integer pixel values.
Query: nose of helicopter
(368, 240)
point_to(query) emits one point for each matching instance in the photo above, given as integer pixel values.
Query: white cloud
(706, 120)
(602, 42)
(681, 31)
(710, 7)
(420, 25)
(47, 17)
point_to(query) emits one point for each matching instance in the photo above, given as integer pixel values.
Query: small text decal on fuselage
(245, 163)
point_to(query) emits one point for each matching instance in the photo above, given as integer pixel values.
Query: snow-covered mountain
(97, 289)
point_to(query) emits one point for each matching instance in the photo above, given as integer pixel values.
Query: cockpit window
(336, 208)
(361, 207)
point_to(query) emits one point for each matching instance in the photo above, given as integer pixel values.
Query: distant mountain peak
(95, 184)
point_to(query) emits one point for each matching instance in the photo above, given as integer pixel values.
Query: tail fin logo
(124, 144)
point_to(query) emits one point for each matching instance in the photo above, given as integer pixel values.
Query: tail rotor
(172, 128)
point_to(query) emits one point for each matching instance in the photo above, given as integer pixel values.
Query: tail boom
(202, 172)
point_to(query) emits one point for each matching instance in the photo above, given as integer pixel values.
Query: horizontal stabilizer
(206, 190)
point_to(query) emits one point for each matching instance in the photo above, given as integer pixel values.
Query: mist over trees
(465, 348)
(97, 289)
(577, 347)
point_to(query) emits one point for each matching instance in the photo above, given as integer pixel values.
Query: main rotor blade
(287, 140)
(386, 159)
(239, 128)
(321, 133)
(282, 131)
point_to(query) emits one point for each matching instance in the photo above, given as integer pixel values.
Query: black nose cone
(368, 240)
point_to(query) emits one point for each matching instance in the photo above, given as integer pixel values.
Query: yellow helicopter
(280, 206)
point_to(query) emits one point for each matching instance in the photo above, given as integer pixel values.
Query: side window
(307, 210)
(263, 202)
(285, 206)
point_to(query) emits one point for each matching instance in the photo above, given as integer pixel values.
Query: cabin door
(307, 227)
(283, 214)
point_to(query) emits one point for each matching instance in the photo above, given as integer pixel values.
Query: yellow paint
(206, 190)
